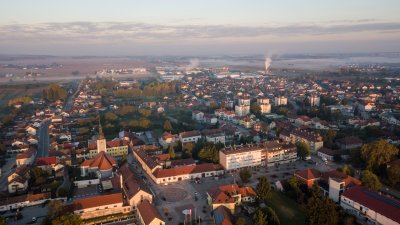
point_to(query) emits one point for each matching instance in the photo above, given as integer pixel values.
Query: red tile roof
(384, 205)
(96, 201)
(148, 212)
(308, 174)
(102, 161)
(46, 161)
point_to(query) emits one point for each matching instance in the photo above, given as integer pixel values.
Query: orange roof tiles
(102, 160)
(148, 212)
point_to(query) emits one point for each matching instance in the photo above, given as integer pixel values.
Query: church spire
(101, 135)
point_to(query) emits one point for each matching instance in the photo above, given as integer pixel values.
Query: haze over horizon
(179, 27)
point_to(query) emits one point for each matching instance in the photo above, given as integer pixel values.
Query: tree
(370, 180)
(145, 112)
(303, 150)
(171, 152)
(393, 175)
(329, 137)
(54, 92)
(378, 153)
(3, 221)
(62, 192)
(68, 219)
(167, 125)
(40, 181)
(55, 209)
(346, 169)
(263, 189)
(321, 210)
(255, 109)
(259, 218)
(239, 221)
(272, 218)
(110, 116)
(245, 175)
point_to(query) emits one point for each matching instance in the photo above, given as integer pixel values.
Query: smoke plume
(268, 62)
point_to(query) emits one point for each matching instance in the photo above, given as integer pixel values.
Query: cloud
(125, 31)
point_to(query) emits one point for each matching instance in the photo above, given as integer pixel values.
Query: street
(44, 140)
(27, 213)
(5, 171)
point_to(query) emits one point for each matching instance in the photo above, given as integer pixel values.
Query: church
(103, 164)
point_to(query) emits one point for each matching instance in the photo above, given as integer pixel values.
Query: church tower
(101, 141)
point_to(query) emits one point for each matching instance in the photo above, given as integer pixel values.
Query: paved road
(5, 171)
(70, 100)
(28, 212)
(44, 140)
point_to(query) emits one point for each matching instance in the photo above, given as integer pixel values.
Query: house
(214, 135)
(148, 214)
(18, 180)
(189, 136)
(230, 196)
(303, 121)
(198, 116)
(371, 206)
(99, 206)
(350, 142)
(46, 163)
(210, 119)
(337, 182)
(222, 216)
(328, 154)
(168, 139)
(134, 190)
(26, 158)
(102, 164)
(308, 176)
(31, 130)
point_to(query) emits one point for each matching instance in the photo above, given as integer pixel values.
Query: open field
(288, 211)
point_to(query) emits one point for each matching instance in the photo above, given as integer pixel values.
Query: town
(203, 146)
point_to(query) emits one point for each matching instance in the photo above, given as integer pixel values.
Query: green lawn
(288, 211)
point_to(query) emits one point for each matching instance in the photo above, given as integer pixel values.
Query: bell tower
(101, 141)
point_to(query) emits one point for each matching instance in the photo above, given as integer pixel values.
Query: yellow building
(115, 148)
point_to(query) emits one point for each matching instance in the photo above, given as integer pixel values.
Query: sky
(198, 27)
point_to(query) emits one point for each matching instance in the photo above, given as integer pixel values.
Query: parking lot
(27, 214)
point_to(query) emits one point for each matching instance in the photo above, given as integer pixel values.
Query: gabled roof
(46, 161)
(384, 205)
(102, 161)
(148, 212)
(222, 216)
(309, 174)
(96, 201)
(339, 176)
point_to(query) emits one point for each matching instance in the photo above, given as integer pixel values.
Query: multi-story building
(268, 153)
(276, 152)
(314, 100)
(312, 139)
(236, 157)
(371, 206)
(242, 110)
(280, 100)
(265, 107)
(243, 107)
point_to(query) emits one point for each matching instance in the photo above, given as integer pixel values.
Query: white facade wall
(240, 160)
